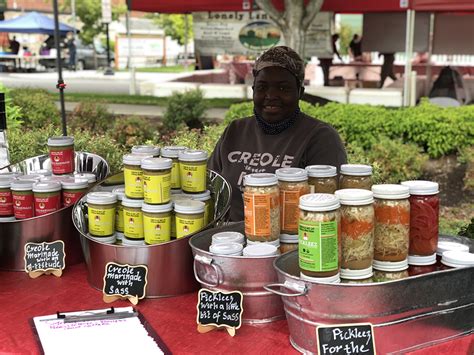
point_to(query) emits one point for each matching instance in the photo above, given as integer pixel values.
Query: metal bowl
(54, 226)
(170, 265)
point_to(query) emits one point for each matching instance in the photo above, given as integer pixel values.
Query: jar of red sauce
(424, 216)
(419, 265)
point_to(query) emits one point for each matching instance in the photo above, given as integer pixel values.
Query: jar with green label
(318, 231)
(101, 213)
(150, 150)
(207, 199)
(120, 192)
(157, 223)
(189, 215)
(193, 170)
(133, 176)
(156, 180)
(172, 153)
(132, 218)
(322, 179)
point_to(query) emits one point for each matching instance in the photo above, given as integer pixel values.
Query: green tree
(175, 26)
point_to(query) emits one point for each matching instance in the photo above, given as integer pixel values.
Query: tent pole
(60, 86)
(430, 53)
(410, 25)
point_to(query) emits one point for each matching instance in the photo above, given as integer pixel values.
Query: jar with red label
(61, 153)
(47, 196)
(6, 198)
(73, 189)
(424, 216)
(23, 201)
(419, 265)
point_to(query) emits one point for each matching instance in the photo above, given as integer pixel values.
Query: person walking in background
(355, 47)
(71, 47)
(326, 63)
(387, 68)
(14, 46)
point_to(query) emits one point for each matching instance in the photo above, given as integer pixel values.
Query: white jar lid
(180, 197)
(60, 141)
(133, 242)
(356, 169)
(291, 174)
(450, 246)
(335, 279)
(7, 219)
(101, 198)
(146, 149)
(89, 176)
(457, 258)
(172, 151)
(422, 260)
(167, 207)
(192, 155)
(73, 183)
(204, 196)
(134, 159)
(390, 191)
(156, 163)
(47, 186)
(355, 197)
(107, 240)
(189, 206)
(321, 170)
(225, 237)
(42, 172)
(319, 202)
(289, 238)
(120, 192)
(350, 274)
(35, 177)
(275, 243)
(422, 187)
(9, 174)
(260, 179)
(260, 249)
(22, 185)
(5, 182)
(130, 202)
(227, 248)
(391, 266)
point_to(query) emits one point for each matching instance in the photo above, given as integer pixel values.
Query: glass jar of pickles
(322, 178)
(355, 176)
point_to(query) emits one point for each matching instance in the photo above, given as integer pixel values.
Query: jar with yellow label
(156, 180)
(132, 218)
(193, 170)
(207, 199)
(157, 223)
(189, 217)
(133, 176)
(172, 153)
(150, 150)
(176, 197)
(101, 213)
(355, 176)
(322, 179)
(292, 183)
(120, 192)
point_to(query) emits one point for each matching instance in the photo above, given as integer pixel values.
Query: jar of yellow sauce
(156, 180)
(193, 170)
(133, 175)
(189, 215)
(101, 213)
(157, 223)
(120, 192)
(172, 153)
(132, 218)
(146, 150)
(207, 199)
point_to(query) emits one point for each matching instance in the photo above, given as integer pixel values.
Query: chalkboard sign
(220, 309)
(346, 339)
(44, 257)
(125, 280)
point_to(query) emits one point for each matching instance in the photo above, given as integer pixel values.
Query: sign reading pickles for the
(44, 258)
(124, 281)
(357, 338)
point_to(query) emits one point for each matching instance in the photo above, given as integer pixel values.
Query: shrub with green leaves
(24, 144)
(130, 131)
(194, 139)
(184, 109)
(91, 116)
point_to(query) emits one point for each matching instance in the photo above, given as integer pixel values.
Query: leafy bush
(184, 108)
(37, 108)
(92, 116)
(194, 139)
(467, 157)
(29, 143)
(132, 130)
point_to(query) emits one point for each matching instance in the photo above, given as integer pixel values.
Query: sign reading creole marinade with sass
(346, 339)
(124, 281)
(44, 258)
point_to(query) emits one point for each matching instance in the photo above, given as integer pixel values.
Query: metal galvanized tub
(407, 314)
(54, 226)
(170, 265)
(245, 274)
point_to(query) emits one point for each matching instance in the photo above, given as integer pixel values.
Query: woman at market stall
(278, 135)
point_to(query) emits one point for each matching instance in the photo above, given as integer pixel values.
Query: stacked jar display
(322, 178)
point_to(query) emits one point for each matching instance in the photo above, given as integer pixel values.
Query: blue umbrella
(33, 22)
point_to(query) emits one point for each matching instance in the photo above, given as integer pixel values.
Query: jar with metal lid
(23, 200)
(133, 176)
(357, 228)
(322, 179)
(101, 213)
(318, 231)
(207, 199)
(424, 216)
(457, 259)
(292, 183)
(61, 153)
(260, 250)
(149, 150)
(288, 243)
(47, 197)
(360, 276)
(261, 207)
(189, 217)
(132, 218)
(91, 178)
(228, 237)
(390, 270)
(392, 222)
(419, 265)
(73, 189)
(355, 176)
(226, 249)
(157, 223)
(119, 222)
(172, 153)
(6, 198)
(193, 170)
(156, 180)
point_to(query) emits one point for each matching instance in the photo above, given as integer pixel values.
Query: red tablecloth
(174, 318)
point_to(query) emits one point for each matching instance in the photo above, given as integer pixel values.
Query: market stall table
(174, 318)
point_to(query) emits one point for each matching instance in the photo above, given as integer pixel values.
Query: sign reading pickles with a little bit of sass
(344, 339)
(124, 281)
(44, 258)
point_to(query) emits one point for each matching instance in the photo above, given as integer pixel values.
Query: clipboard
(49, 329)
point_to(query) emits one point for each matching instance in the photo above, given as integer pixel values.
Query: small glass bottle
(355, 176)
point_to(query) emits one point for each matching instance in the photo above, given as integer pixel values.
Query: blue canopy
(33, 22)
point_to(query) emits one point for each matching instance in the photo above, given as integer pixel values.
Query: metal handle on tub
(207, 261)
(300, 290)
